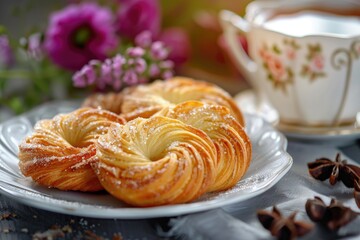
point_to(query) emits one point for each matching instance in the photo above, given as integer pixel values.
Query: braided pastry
(109, 101)
(60, 151)
(155, 161)
(232, 144)
(145, 100)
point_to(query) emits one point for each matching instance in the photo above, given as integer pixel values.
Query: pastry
(109, 101)
(232, 144)
(60, 151)
(155, 161)
(145, 100)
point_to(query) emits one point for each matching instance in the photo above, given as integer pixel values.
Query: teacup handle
(233, 23)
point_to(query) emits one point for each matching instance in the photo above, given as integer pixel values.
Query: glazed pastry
(232, 144)
(145, 100)
(155, 161)
(60, 151)
(107, 101)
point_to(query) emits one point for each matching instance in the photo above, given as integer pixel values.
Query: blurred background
(33, 75)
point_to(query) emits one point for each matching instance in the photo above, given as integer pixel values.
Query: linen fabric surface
(239, 221)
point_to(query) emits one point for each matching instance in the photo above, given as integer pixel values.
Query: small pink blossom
(135, 52)
(167, 75)
(137, 16)
(166, 64)
(154, 70)
(79, 33)
(158, 51)
(137, 65)
(290, 53)
(106, 72)
(130, 77)
(276, 68)
(317, 63)
(140, 65)
(144, 39)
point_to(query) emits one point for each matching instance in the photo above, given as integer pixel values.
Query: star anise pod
(357, 192)
(333, 216)
(283, 228)
(338, 170)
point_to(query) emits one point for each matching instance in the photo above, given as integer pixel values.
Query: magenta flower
(178, 43)
(79, 33)
(6, 53)
(137, 16)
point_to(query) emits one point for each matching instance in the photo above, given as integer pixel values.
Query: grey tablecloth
(239, 221)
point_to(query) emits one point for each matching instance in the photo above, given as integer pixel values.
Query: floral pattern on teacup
(314, 68)
(279, 73)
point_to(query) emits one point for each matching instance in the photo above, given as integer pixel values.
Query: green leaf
(276, 49)
(16, 105)
(2, 30)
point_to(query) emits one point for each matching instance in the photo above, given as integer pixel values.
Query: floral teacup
(303, 58)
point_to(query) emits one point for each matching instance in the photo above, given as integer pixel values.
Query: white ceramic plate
(269, 164)
(338, 136)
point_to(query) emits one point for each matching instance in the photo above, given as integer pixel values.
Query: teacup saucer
(339, 136)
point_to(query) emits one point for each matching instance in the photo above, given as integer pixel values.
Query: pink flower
(276, 68)
(79, 33)
(143, 39)
(178, 43)
(158, 51)
(137, 16)
(291, 53)
(317, 63)
(6, 53)
(135, 52)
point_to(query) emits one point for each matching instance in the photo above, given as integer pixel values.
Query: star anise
(357, 192)
(283, 227)
(333, 216)
(338, 170)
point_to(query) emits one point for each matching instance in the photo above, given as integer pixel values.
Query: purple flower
(33, 45)
(137, 65)
(140, 65)
(79, 33)
(106, 71)
(167, 74)
(178, 43)
(137, 16)
(130, 77)
(158, 51)
(6, 53)
(86, 76)
(135, 52)
(143, 39)
(154, 70)
(118, 62)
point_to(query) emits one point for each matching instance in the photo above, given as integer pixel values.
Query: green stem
(11, 74)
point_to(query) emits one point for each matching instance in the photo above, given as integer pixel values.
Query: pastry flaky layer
(60, 151)
(146, 100)
(155, 161)
(233, 146)
(110, 101)
(159, 94)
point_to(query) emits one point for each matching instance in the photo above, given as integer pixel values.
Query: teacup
(304, 58)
